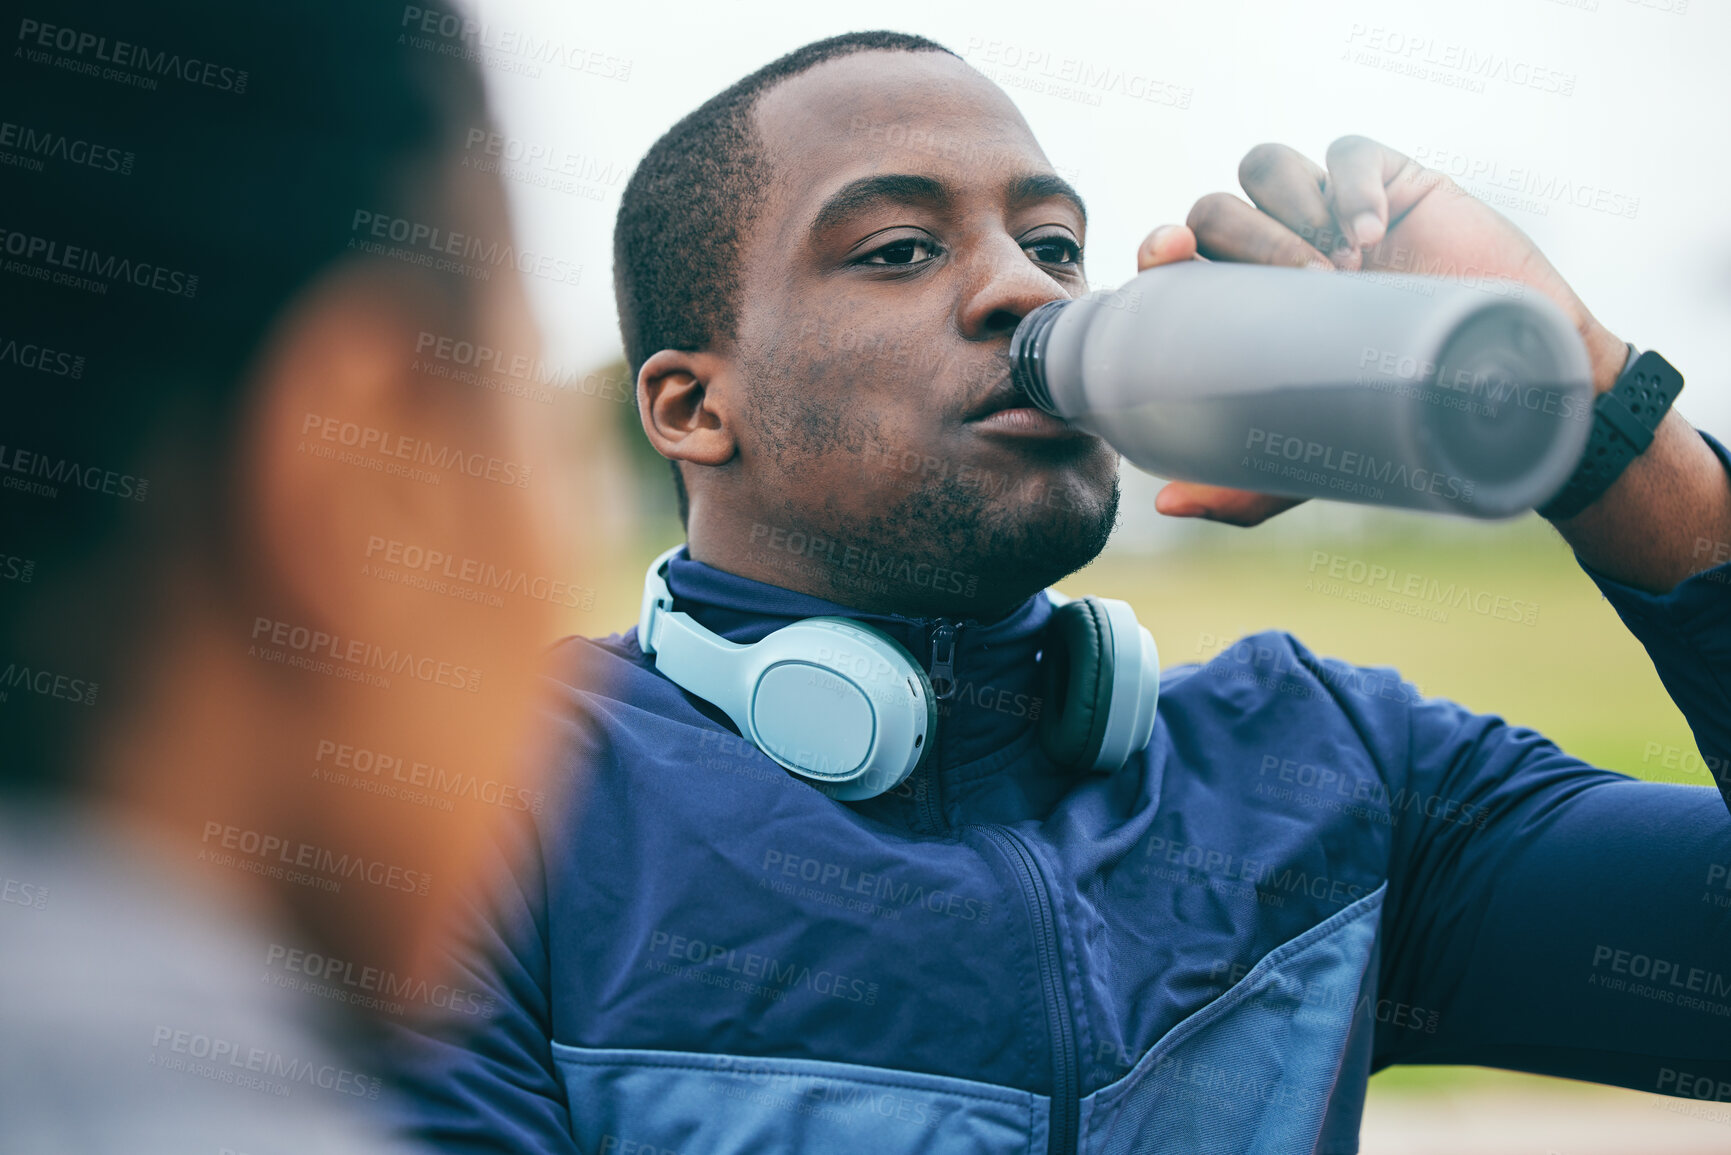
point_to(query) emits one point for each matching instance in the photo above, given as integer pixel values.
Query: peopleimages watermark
(612, 1144)
(1687, 760)
(466, 578)
(1423, 379)
(1274, 667)
(88, 270)
(1219, 1085)
(967, 149)
(732, 754)
(765, 1084)
(32, 471)
(1243, 660)
(253, 1068)
(17, 569)
(760, 975)
(1316, 993)
(879, 893)
(1402, 266)
(1715, 554)
(1708, 1088)
(303, 863)
(41, 359)
(919, 355)
(305, 648)
(1375, 600)
(1038, 69)
(1718, 890)
(1524, 187)
(450, 33)
(1660, 980)
(17, 892)
(541, 165)
(1449, 64)
(411, 780)
(1272, 882)
(406, 453)
(27, 147)
(368, 987)
(465, 253)
(90, 54)
(46, 684)
(1346, 471)
(997, 699)
(1339, 790)
(517, 374)
(1374, 576)
(864, 564)
(965, 475)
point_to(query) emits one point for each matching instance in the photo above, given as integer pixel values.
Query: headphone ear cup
(1078, 677)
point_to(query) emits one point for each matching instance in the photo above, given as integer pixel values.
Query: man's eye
(904, 252)
(1054, 250)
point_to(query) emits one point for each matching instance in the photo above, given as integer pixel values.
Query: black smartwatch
(1624, 420)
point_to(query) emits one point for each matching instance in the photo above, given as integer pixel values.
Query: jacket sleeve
(478, 1076)
(1687, 633)
(1579, 922)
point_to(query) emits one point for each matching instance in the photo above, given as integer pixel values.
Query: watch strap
(1625, 418)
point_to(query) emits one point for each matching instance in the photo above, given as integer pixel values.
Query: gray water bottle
(1381, 389)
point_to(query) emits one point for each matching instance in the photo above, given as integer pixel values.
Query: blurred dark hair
(189, 168)
(686, 208)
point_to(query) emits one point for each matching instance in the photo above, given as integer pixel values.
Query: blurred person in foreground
(249, 753)
(1309, 873)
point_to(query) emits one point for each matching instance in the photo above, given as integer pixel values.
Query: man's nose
(1003, 285)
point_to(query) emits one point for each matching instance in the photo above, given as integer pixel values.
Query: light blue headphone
(846, 707)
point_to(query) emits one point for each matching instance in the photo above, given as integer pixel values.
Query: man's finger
(1217, 503)
(1227, 229)
(1287, 185)
(1164, 245)
(1359, 170)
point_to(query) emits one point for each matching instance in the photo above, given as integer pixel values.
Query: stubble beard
(996, 545)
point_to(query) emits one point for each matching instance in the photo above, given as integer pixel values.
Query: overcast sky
(1597, 126)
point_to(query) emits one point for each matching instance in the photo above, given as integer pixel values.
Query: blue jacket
(1311, 873)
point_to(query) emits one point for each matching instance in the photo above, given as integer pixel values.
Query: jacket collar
(997, 689)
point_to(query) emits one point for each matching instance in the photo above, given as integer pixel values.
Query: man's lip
(1003, 396)
(1025, 421)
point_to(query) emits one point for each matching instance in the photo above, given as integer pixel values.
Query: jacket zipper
(943, 679)
(1066, 1091)
(944, 658)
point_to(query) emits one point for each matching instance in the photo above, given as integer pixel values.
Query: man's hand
(1372, 210)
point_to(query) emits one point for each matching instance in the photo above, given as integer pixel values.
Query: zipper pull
(944, 660)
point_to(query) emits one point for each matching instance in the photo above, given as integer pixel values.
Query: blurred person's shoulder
(611, 700)
(142, 1010)
(612, 668)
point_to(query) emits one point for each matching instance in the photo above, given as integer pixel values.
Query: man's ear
(684, 404)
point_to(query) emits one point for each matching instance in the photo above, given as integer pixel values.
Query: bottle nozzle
(1027, 354)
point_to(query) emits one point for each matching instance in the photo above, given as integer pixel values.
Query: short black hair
(179, 172)
(685, 210)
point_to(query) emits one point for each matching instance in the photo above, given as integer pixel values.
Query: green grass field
(1574, 673)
